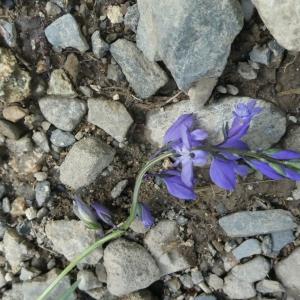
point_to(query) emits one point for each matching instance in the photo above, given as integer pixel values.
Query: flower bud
(103, 213)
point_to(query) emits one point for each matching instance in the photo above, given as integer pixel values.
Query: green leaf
(68, 293)
(293, 164)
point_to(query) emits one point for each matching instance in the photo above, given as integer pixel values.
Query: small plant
(187, 148)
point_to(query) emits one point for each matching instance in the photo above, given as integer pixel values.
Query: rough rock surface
(292, 139)
(248, 248)
(144, 76)
(85, 161)
(129, 267)
(131, 18)
(78, 238)
(235, 288)
(266, 129)
(60, 84)
(100, 47)
(182, 35)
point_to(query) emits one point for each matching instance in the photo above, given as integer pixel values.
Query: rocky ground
(87, 90)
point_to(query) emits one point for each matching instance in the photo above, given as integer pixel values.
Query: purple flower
(283, 154)
(103, 213)
(175, 185)
(144, 213)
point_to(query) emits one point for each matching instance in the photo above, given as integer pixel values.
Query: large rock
(285, 27)
(266, 129)
(166, 247)
(129, 267)
(63, 113)
(250, 223)
(111, 116)
(193, 38)
(288, 270)
(144, 76)
(235, 288)
(70, 238)
(85, 161)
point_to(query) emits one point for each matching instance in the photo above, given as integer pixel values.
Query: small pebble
(30, 213)
(197, 277)
(173, 284)
(232, 90)
(116, 97)
(186, 280)
(42, 192)
(119, 188)
(114, 14)
(246, 71)
(221, 89)
(42, 213)
(40, 176)
(18, 207)
(6, 205)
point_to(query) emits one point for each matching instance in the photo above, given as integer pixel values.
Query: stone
(246, 71)
(111, 116)
(64, 32)
(114, 72)
(85, 161)
(254, 270)
(28, 274)
(60, 84)
(40, 176)
(40, 139)
(101, 272)
(235, 288)
(248, 9)
(52, 9)
(266, 129)
(285, 27)
(248, 248)
(132, 17)
(292, 139)
(62, 139)
(8, 33)
(42, 192)
(140, 295)
(215, 282)
(129, 267)
(14, 82)
(288, 270)
(232, 90)
(261, 54)
(186, 281)
(16, 250)
(30, 213)
(63, 113)
(100, 47)
(79, 237)
(114, 14)
(197, 277)
(18, 207)
(205, 297)
(27, 163)
(169, 31)
(2, 278)
(10, 130)
(87, 280)
(2, 190)
(269, 287)
(119, 188)
(71, 66)
(13, 113)
(165, 246)
(137, 226)
(281, 239)
(144, 76)
(173, 284)
(6, 205)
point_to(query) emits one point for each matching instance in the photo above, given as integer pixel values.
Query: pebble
(281, 239)
(42, 213)
(173, 284)
(101, 272)
(2, 190)
(197, 277)
(215, 282)
(10, 130)
(269, 287)
(186, 281)
(62, 139)
(261, 54)
(248, 248)
(114, 14)
(114, 72)
(100, 47)
(232, 90)
(119, 188)
(40, 139)
(6, 205)
(42, 192)
(3, 281)
(18, 207)
(13, 113)
(3, 227)
(71, 66)
(27, 163)
(40, 176)
(131, 18)
(65, 32)
(52, 9)
(9, 33)
(246, 71)
(28, 274)
(60, 84)
(87, 280)
(221, 89)
(30, 213)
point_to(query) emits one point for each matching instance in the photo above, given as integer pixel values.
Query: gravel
(60, 84)
(41, 140)
(87, 280)
(62, 139)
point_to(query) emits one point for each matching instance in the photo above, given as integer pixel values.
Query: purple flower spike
(265, 169)
(283, 154)
(103, 213)
(145, 215)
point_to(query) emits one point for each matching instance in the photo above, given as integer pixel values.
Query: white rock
(235, 288)
(114, 14)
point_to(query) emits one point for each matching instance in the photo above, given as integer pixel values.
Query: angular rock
(70, 238)
(52, 9)
(269, 287)
(261, 55)
(111, 116)
(101, 272)
(248, 248)
(235, 288)
(62, 139)
(100, 47)
(42, 192)
(215, 282)
(132, 17)
(129, 267)
(144, 76)
(247, 223)
(18, 207)
(10, 130)
(87, 280)
(119, 188)
(285, 27)
(164, 244)
(281, 239)
(9, 33)
(63, 113)
(193, 38)
(65, 32)
(114, 14)
(292, 139)
(13, 113)
(85, 161)
(40, 139)
(60, 84)
(266, 129)
(114, 72)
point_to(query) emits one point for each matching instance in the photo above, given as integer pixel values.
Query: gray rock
(281, 239)
(100, 47)
(79, 237)
(2, 278)
(266, 129)
(247, 223)
(119, 188)
(248, 248)
(2, 190)
(114, 72)
(129, 267)
(186, 281)
(205, 297)
(173, 284)
(215, 282)
(246, 71)
(62, 139)
(248, 9)
(235, 288)
(144, 76)
(9, 33)
(170, 259)
(42, 192)
(30, 213)
(101, 272)
(132, 17)
(285, 27)
(169, 31)
(232, 90)
(63, 113)
(10, 130)
(261, 54)
(20, 146)
(40, 139)
(28, 274)
(292, 139)
(269, 287)
(87, 280)
(52, 9)
(6, 207)
(60, 84)
(65, 32)
(40, 176)
(111, 116)
(197, 277)
(288, 270)
(85, 161)
(101, 293)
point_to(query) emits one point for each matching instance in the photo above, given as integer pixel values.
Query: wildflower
(144, 213)
(103, 213)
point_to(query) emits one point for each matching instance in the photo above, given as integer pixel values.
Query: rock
(2, 190)
(140, 295)
(71, 66)
(170, 259)
(13, 113)
(138, 226)
(173, 284)
(266, 129)
(129, 267)
(2, 278)
(20, 146)
(42, 192)
(60, 84)
(27, 163)
(115, 73)
(132, 17)
(6, 205)
(63, 113)
(285, 27)
(40, 139)
(248, 248)
(52, 9)
(8, 33)
(100, 47)
(101, 293)
(281, 239)
(288, 270)
(62, 139)
(269, 287)
(79, 237)
(119, 188)
(246, 71)
(30, 213)
(168, 31)
(144, 76)
(101, 273)
(235, 288)
(186, 281)
(65, 32)
(40, 176)
(292, 139)
(10, 130)
(87, 280)
(215, 282)
(114, 14)
(14, 82)
(85, 161)
(16, 250)
(205, 297)
(232, 90)
(18, 207)
(28, 274)
(111, 116)
(197, 277)
(244, 224)
(248, 9)
(261, 55)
